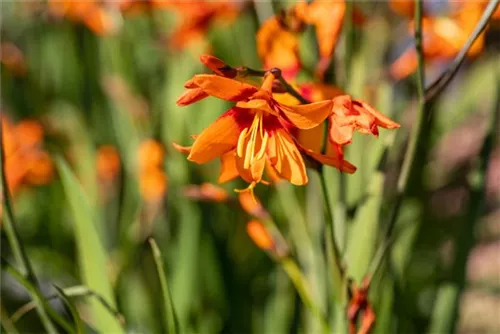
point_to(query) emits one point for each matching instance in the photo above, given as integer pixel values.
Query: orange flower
(206, 192)
(108, 163)
(443, 38)
(252, 205)
(278, 47)
(153, 184)
(12, 58)
(255, 132)
(327, 16)
(359, 303)
(403, 7)
(260, 235)
(196, 17)
(347, 115)
(102, 18)
(25, 160)
(152, 178)
(350, 115)
(277, 39)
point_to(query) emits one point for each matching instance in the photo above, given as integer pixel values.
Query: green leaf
(91, 254)
(169, 316)
(80, 328)
(363, 234)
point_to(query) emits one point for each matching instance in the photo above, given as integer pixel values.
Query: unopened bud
(218, 66)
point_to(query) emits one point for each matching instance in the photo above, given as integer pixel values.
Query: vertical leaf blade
(91, 254)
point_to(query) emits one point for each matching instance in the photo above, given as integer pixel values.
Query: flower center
(252, 142)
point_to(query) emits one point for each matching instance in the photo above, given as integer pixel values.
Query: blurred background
(88, 112)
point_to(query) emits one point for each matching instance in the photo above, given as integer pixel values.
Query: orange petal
(182, 149)
(252, 205)
(224, 88)
(307, 116)
(228, 170)
(259, 104)
(290, 164)
(260, 235)
(381, 119)
(343, 165)
(405, 65)
(311, 138)
(191, 96)
(219, 138)
(338, 132)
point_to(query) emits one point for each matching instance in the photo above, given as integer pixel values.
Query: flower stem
(335, 263)
(299, 281)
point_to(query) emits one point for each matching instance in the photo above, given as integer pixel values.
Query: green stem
(300, 283)
(44, 310)
(335, 263)
(74, 291)
(14, 239)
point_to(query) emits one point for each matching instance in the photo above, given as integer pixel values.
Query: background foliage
(82, 231)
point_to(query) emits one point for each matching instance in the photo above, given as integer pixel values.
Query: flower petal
(380, 119)
(191, 95)
(258, 104)
(290, 164)
(307, 116)
(228, 170)
(224, 88)
(311, 138)
(339, 132)
(182, 149)
(219, 138)
(343, 165)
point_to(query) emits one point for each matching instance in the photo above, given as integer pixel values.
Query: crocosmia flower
(255, 133)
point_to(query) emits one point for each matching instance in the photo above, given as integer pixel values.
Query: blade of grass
(170, 318)
(74, 291)
(39, 299)
(6, 322)
(80, 328)
(91, 254)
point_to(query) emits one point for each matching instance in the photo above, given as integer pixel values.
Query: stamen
(249, 188)
(263, 147)
(241, 142)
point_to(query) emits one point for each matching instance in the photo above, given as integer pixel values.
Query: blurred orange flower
(108, 163)
(360, 307)
(206, 192)
(443, 37)
(152, 178)
(255, 132)
(260, 235)
(12, 58)
(196, 17)
(102, 17)
(277, 38)
(278, 46)
(25, 160)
